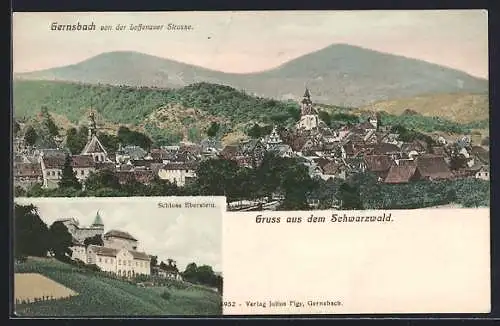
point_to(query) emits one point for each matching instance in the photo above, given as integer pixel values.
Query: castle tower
(98, 223)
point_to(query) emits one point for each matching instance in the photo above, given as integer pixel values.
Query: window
(100, 259)
(82, 172)
(119, 261)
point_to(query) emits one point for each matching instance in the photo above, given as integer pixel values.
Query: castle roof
(120, 234)
(103, 251)
(98, 220)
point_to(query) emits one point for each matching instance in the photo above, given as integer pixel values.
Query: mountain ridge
(338, 74)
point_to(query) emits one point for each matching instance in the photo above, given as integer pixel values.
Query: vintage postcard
(122, 256)
(352, 115)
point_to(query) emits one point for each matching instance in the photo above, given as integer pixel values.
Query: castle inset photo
(116, 257)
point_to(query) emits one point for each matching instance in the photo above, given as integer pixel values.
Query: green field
(103, 296)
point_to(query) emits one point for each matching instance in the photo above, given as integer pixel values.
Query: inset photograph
(118, 256)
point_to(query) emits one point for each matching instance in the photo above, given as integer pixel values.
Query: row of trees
(34, 238)
(286, 176)
(363, 191)
(204, 275)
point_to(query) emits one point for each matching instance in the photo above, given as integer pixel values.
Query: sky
(185, 235)
(243, 42)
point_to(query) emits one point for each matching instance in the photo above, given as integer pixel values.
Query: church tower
(94, 147)
(306, 104)
(308, 115)
(92, 126)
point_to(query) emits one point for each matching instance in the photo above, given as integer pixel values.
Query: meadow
(100, 295)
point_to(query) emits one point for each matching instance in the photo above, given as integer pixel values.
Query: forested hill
(169, 115)
(132, 105)
(339, 74)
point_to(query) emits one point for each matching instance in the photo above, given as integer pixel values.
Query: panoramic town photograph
(95, 257)
(273, 110)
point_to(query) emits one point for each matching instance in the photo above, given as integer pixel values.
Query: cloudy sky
(185, 235)
(255, 41)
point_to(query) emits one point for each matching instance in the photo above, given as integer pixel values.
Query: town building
(27, 174)
(178, 173)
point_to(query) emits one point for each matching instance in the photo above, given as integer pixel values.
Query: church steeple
(92, 125)
(307, 105)
(307, 97)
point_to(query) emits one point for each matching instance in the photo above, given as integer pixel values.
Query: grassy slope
(101, 296)
(459, 107)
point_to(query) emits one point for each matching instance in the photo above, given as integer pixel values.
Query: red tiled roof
(27, 170)
(82, 161)
(433, 166)
(331, 168)
(378, 163)
(180, 166)
(386, 148)
(298, 143)
(54, 162)
(402, 172)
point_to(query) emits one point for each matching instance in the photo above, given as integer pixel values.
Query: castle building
(119, 253)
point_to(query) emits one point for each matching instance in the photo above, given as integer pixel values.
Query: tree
(31, 136)
(73, 142)
(96, 240)
(217, 177)
(194, 134)
(31, 235)
(60, 240)
(349, 197)
(213, 129)
(255, 131)
(102, 179)
(130, 137)
(68, 178)
(49, 123)
(325, 117)
(110, 142)
(154, 261)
